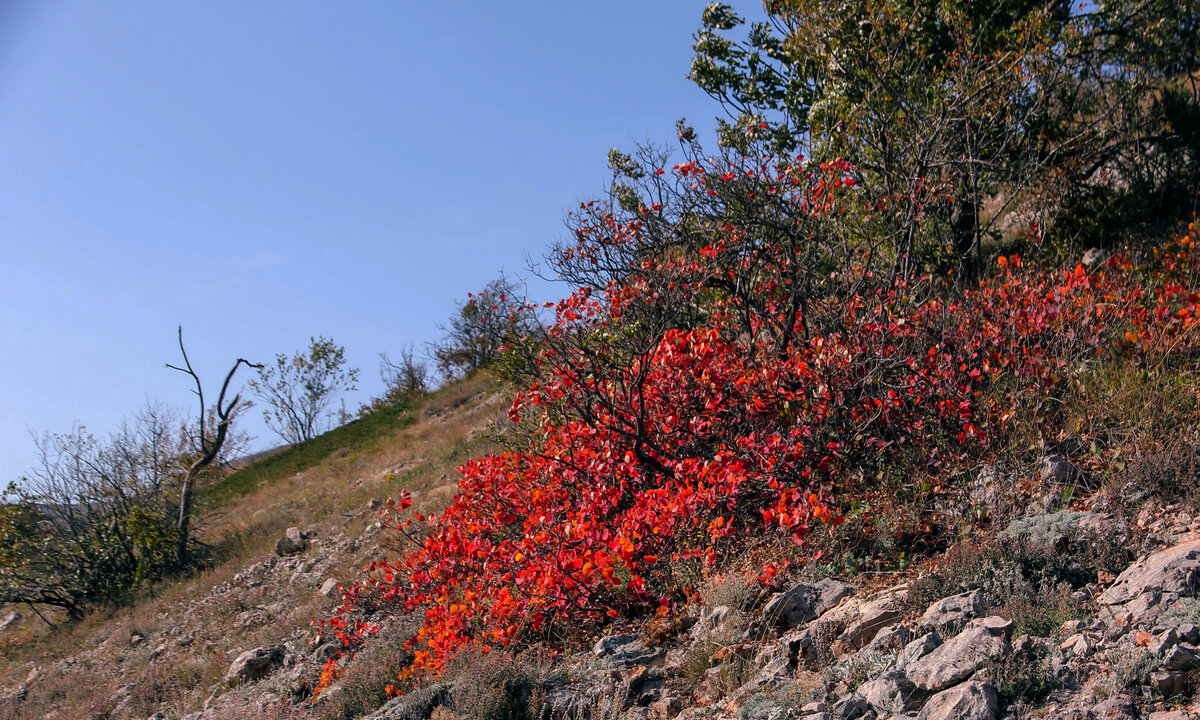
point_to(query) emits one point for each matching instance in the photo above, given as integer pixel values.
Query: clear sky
(262, 172)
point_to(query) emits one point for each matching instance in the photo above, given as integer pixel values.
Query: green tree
(299, 390)
(957, 113)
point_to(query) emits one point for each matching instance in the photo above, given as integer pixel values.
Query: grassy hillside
(177, 641)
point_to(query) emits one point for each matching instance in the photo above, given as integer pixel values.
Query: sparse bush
(300, 390)
(492, 321)
(494, 686)
(1026, 581)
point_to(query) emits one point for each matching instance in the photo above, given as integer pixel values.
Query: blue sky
(263, 172)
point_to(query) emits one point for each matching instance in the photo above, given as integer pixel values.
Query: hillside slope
(169, 653)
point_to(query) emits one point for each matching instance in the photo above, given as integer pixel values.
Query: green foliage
(96, 520)
(962, 115)
(493, 323)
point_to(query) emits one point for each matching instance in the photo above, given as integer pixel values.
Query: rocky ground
(828, 650)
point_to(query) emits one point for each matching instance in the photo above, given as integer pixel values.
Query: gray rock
(917, 649)
(969, 701)
(958, 658)
(954, 610)
(628, 649)
(292, 542)
(890, 693)
(805, 602)
(1147, 586)
(255, 664)
(329, 587)
(874, 616)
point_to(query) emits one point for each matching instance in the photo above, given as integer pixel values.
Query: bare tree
(208, 444)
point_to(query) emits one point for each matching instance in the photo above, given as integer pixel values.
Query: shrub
(703, 401)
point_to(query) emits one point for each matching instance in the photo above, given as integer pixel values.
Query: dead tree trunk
(208, 448)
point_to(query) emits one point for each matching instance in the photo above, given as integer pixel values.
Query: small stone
(958, 658)
(136, 641)
(329, 587)
(374, 504)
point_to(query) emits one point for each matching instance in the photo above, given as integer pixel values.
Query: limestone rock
(954, 610)
(890, 693)
(874, 616)
(805, 602)
(969, 701)
(958, 658)
(1147, 586)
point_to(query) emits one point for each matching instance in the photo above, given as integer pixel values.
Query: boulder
(805, 602)
(628, 649)
(890, 694)
(292, 542)
(255, 664)
(953, 611)
(873, 617)
(917, 649)
(1147, 586)
(959, 657)
(969, 701)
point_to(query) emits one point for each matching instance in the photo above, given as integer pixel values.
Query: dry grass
(192, 631)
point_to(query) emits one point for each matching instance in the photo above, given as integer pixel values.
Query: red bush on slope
(678, 419)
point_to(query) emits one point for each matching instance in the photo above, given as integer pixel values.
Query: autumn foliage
(714, 396)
